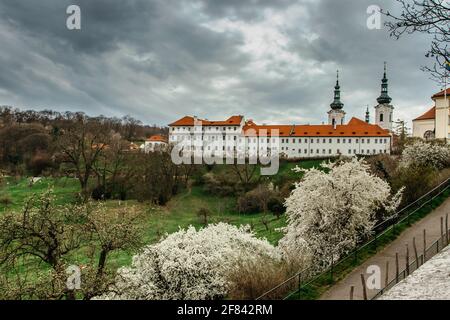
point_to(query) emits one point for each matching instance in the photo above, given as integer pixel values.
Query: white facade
(435, 123)
(384, 116)
(291, 142)
(336, 117)
(442, 117)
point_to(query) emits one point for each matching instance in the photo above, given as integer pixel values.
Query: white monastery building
(435, 123)
(237, 134)
(154, 143)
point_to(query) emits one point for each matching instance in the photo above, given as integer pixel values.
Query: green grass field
(180, 211)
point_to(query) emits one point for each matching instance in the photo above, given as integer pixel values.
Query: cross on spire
(337, 104)
(384, 97)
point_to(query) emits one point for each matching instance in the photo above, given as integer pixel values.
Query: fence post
(352, 290)
(386, 280)
(363, 281)
(396, 267)
(416, 255)
(446, 229)
(407, 259)
(331, 269)
(424, 246)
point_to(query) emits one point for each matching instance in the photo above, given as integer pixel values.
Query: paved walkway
(341, 290)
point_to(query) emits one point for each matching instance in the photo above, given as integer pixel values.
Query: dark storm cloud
(161, 59)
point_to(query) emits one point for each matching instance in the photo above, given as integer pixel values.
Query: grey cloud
(158, 60)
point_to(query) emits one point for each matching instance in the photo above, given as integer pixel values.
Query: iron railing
(300, 280)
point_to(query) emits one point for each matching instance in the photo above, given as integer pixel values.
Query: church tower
(336, 115)
(367, 115)
(384, 110)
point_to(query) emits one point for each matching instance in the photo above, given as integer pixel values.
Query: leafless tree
(430, 17)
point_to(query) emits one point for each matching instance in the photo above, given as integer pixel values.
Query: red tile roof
(189, 121)
(355, 127)
(442, 94)
(157, 138)
(430, 114)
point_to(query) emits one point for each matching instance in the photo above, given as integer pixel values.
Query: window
(343, 140)
(381, 117)
(306, 140)
(306, 151)
(349, 140)
(293, 140)
(299, 150)
(362, 140)
(329, 151)
(323, 151)
(329, 141)
(317, 151)
(368, 140)
(376, 140)
(362, 151)
(282, 140)
(374, 151)
(357, 140)
(354, 151)
(385, 140)
(368, 151)
(338, 140)
(312, 151)
(324, 140)
(318, 140)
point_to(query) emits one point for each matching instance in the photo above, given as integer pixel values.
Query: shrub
(426, 154)
(204, 214)
(191, 264)
(255, 200)
(276, 206)
(330, 212)
(38, 163)
(219, 184)
(5, 200)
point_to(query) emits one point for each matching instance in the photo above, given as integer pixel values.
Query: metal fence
(300, 281)
(430, 252)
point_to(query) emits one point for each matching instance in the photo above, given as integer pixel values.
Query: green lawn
(18, 191)
(180, 211)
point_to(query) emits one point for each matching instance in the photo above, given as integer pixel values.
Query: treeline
(98, 151)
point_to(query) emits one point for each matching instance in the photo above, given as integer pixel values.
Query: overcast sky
(158, 60)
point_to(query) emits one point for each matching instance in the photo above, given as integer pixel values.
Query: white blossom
(190, 264)
(426, 154)
(331, 210)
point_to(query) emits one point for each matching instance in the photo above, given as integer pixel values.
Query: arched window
(428, 135)
(381, 117)
(333, 122)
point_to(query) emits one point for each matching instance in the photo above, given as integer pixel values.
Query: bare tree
(81, 144)
(46, 236)
(430, 17)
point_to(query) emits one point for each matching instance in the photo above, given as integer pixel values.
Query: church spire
(367, 115)
(337, 104)
(384, 97)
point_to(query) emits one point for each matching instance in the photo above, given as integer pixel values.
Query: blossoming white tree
(331, 210)
(190, 264)
(426, 154)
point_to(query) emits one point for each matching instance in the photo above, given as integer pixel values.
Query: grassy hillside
(180, 211)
